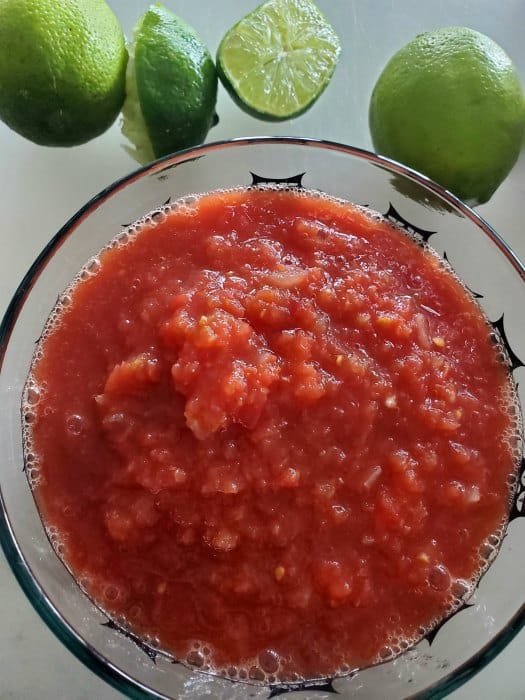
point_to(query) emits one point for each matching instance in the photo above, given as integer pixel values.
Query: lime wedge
(278, 59)
(171, 87)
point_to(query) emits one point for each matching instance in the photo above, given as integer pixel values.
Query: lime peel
(133, 125)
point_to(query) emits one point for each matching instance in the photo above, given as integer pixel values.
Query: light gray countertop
(41, 188)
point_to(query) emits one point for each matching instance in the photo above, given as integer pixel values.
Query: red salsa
(273, 434)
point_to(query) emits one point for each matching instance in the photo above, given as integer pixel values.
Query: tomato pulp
(273, 434)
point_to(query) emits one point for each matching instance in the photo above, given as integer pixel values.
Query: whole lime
(171, 87)
(62, 69)
(450, 104)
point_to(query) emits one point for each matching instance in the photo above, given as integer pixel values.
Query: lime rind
(277, 60)
(133, 126)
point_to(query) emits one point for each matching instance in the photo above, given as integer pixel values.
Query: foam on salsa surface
(272, 433)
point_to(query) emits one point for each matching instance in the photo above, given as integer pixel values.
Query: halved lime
(278, 59)
(171, 87)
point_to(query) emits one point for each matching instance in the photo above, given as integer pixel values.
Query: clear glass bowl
(446, 657)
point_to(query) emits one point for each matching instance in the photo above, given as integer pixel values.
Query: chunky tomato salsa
(273, 434)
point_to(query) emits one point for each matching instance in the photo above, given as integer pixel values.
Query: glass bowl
(450, 654)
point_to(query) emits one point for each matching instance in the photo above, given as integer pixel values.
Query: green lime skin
(176, 82)
(62, 69)
(450, 105)
(277, 60)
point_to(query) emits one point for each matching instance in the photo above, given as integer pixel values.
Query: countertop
(40, 188)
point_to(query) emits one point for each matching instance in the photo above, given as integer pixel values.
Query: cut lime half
(278, 59)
